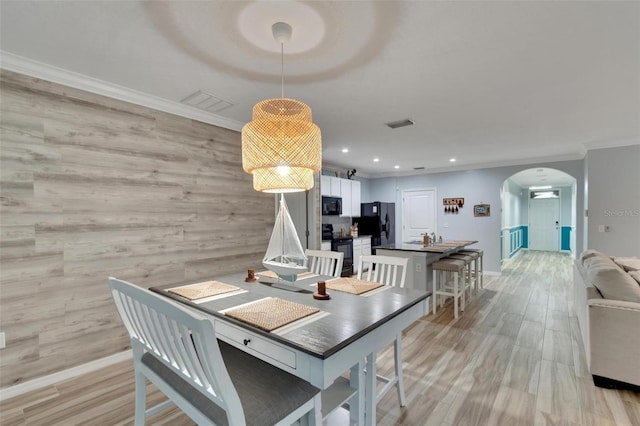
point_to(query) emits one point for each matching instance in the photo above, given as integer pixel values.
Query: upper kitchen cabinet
(350, 193)
(330, 186)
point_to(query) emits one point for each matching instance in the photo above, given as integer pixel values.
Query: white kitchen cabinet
(350, 193)
(355, 198)
(330, 186)
(357, 254)
(366, 246)
(345, 193)
(361, 247)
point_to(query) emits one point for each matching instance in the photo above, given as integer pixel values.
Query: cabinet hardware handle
(246, 341)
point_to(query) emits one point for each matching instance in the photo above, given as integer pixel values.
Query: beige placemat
(271, 274)
(202, 290)
(352, 285)
(269, 314)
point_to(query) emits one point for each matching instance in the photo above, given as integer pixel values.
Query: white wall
(476, 186)
(614, 200)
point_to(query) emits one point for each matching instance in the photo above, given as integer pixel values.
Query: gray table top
(351, 316)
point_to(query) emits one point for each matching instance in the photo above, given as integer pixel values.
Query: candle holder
(322, 294)
(251, 276)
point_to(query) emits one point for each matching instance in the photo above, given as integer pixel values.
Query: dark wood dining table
(343, 336)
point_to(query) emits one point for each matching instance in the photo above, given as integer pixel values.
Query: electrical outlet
(446, 225)
(418, 267)
(3, 343)
(600, 228)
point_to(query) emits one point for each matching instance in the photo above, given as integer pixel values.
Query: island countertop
(445, 247)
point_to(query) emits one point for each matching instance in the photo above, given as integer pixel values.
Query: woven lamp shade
(281, 147)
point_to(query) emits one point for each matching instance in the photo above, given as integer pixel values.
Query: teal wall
(565, 238)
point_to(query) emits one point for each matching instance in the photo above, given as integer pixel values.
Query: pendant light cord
(282, 70)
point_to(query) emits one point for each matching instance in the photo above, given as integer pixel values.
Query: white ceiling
(540, 176)
(488, 83)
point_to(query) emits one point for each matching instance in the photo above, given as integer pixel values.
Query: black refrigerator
(378, 220)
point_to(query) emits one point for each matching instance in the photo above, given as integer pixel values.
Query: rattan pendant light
(281, 147)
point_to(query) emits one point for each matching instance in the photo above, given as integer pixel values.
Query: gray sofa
(607, 304)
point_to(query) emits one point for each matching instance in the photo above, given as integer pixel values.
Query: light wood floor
(513, 357)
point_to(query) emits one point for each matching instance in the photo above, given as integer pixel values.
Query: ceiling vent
(400, 123)
(418, 168)
(207, 102)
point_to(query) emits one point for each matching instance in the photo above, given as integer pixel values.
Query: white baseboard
(40, 382)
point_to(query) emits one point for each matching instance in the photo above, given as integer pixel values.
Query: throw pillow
(598, 260)
(589, 253)
(615, 284)
(635, 275)
(628, 263)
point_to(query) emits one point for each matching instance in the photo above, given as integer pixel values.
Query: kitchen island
(419, 273)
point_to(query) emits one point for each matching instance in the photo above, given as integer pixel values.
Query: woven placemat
(202, 290)
(352, 285)
(271, 274)
(269, 314)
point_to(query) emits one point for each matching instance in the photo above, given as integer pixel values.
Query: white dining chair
(325, 262)
(211, 381)
(391, 271)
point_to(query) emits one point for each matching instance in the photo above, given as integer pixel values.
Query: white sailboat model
(285, 255)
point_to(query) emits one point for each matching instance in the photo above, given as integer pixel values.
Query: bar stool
(479, 264)
(470, 279)
(475, 256)
(456, 290)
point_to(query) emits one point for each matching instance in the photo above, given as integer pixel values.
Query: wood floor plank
(498, 364)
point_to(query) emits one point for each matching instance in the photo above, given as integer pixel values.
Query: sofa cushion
(628, 263)
(612, 282)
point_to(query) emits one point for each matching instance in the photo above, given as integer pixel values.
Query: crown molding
(22, 65)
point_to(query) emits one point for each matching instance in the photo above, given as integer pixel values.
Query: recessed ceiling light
(345, 150)
(452, 160)
(375, 160)
(396, 167)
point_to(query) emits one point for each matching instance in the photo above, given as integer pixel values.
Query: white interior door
(544, 224)
(418, 213)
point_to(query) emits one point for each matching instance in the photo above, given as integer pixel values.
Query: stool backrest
(386, 269)
(325, 262)
(181, 339)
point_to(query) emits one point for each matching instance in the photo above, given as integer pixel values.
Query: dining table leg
(370, 390)
(356, 405)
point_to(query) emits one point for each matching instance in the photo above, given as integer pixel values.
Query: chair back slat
(386, 269)
(183, 340)
(325, 262)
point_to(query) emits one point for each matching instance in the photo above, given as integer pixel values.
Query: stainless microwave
(331, 206)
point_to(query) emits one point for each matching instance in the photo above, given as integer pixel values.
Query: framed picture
(482, 210)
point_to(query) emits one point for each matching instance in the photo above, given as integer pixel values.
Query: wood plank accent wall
(93, 187)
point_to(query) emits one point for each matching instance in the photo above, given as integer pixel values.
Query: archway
(538, 212)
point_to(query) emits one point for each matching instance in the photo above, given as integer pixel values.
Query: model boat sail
(285, 255)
